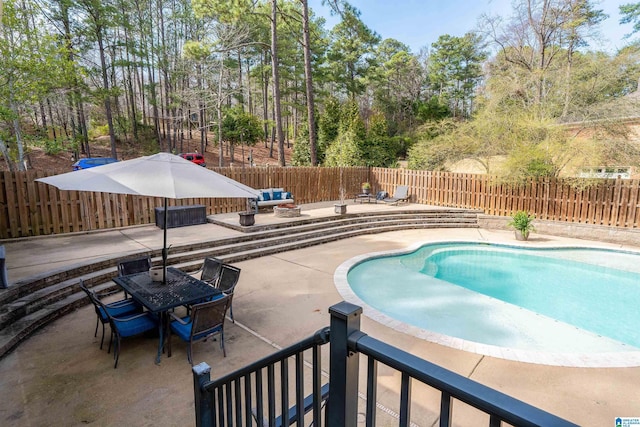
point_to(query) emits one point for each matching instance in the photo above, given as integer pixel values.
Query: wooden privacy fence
(607, 202)
(29, 208)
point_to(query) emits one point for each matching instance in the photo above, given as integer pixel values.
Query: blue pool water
(563, 299)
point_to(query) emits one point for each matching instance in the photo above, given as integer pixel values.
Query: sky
(418, 23)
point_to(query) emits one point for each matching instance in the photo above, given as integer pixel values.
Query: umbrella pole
(164, 245)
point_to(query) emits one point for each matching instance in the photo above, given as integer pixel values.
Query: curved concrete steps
(36, 301)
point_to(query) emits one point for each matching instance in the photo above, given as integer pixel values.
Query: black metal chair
(134, 265)
(210, 270)
(128, 325)
(210, 273)
(206, 321)
(116, 308)
(229, 276)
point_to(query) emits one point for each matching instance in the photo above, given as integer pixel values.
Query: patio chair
(206, 321)
(401, 195)
(210, 269)
(116, 308)
(128, 325)
(134, 265)
(210, 273)
(229, 276)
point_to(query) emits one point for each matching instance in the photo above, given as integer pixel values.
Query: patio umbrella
(160, 175)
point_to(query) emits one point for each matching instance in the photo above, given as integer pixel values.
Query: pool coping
(626, 359)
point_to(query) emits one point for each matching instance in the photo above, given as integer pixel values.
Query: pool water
(561, 299)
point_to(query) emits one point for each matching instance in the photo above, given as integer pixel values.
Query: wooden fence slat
(633, 217)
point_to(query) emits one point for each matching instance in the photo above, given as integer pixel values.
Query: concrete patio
(59, 376)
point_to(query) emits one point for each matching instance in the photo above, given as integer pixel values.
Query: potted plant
(247, 218)
(522, 222)
(341, 208)
(366, 188)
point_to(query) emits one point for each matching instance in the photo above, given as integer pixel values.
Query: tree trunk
(265, 100)
(53, 128)
(5, 153)
(17, 131)
(107, 98)
(240, 86)
(249, 96)
(219, 111)
(201, 106)
(131, 100)
(165, 75)
(311, 120)
(276, 83)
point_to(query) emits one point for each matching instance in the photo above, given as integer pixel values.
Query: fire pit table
(286, 210)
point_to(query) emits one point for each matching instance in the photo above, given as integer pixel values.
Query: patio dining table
(180, 289)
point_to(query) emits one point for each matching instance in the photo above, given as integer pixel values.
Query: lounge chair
(401, 195)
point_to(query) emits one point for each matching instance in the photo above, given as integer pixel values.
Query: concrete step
(21, 329)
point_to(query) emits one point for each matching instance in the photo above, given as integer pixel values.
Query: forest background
(522, 95)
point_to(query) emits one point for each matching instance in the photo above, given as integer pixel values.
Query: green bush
(52, 147)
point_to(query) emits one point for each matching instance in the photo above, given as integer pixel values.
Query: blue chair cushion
(266, 195)
(184, 331)
(277, 195)
(128, 328)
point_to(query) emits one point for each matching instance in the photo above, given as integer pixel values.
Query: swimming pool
(499, 299)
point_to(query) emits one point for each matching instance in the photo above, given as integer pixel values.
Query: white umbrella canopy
(159, 175)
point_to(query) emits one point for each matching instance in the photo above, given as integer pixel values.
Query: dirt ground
(61, 162)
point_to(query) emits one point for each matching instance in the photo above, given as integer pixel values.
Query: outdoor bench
(271, 197)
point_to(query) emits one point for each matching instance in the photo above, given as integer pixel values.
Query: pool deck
(59, 376)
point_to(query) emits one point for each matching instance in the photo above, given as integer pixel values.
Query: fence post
(342, 409)
(204, 413)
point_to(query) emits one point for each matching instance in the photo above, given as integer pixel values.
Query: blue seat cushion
(277, 195)
(128, 328)
(266, 195)
(184, 331)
